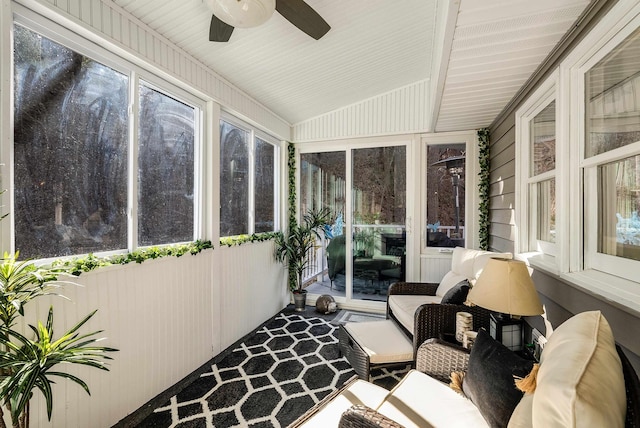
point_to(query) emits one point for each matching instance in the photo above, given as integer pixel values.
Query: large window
(73, 151)
(248, 169)
(611, 164)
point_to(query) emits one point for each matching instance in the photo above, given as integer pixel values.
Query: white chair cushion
(404, 307)
(421, 401)
(383, 341)
(580, 382)
(360, 392)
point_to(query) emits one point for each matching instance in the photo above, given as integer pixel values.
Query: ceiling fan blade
(303, 16)
(219, 31)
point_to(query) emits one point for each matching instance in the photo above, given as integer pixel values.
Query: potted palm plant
(29, 363)
(293, 248)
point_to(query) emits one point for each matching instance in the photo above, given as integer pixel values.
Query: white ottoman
(374, 344)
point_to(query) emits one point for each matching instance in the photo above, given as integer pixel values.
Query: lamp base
(507, 330)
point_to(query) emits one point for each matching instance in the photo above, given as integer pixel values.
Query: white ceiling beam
(447, 11)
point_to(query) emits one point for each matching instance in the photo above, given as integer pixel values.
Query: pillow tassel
(527, 384)
(456, 382)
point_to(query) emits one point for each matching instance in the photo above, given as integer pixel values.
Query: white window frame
(253, 134)
(526, 202)
(199, 106)
(612, 265)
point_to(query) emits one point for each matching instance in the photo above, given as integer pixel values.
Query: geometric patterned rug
(345, 316)
(269, 380)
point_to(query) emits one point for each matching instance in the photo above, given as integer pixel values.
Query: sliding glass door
(365, 190)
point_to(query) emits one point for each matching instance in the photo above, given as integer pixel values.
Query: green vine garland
(291, 165)
(293, 221)
(231, 241)
(78, 265)
(483, 187)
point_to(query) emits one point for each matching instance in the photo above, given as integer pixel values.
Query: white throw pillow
(580, 382)
(449, 280)
(462, 261)
(466, 264)
(522, 416)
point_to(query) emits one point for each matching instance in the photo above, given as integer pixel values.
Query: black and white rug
(269, 380)
(345, 316)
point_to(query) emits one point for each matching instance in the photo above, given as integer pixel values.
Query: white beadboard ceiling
(373, 47)
(496, 47)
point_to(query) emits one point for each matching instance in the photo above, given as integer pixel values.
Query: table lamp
(505, 287)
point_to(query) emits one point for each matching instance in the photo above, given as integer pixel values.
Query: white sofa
(581, 382)
(466, 264)
(416, 306)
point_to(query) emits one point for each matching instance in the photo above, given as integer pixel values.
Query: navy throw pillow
(457, 294)
(489, 381)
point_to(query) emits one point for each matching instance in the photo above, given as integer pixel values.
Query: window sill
(618, 292)
(541, 261)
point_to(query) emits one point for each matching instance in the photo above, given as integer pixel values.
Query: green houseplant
(292, 248)
(29, 363)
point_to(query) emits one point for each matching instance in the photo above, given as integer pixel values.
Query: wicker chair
(433, 320)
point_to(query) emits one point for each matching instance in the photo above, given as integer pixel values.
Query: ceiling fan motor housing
(243, 13)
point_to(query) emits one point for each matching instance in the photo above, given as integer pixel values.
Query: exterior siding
(502, 187)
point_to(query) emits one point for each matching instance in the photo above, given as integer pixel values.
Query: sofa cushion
(580, 380)
(457, 295)
(421, 401)
(359, 392)
(404, 307)
(489, 381)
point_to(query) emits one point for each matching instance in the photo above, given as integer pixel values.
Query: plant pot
(300, 300)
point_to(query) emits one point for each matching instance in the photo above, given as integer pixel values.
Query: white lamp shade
(505, 286)
(243, 13)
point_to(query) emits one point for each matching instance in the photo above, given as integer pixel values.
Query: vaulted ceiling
(475, 54)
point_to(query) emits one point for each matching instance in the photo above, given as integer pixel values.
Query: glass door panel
(323, 185)
(378, 220)
(446, 195)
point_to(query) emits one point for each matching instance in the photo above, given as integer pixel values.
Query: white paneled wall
(252, 288)
(167, 317)
(402, 111)
(433, 267)
(101, 20)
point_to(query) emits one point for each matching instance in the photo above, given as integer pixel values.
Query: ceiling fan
(228, 14)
